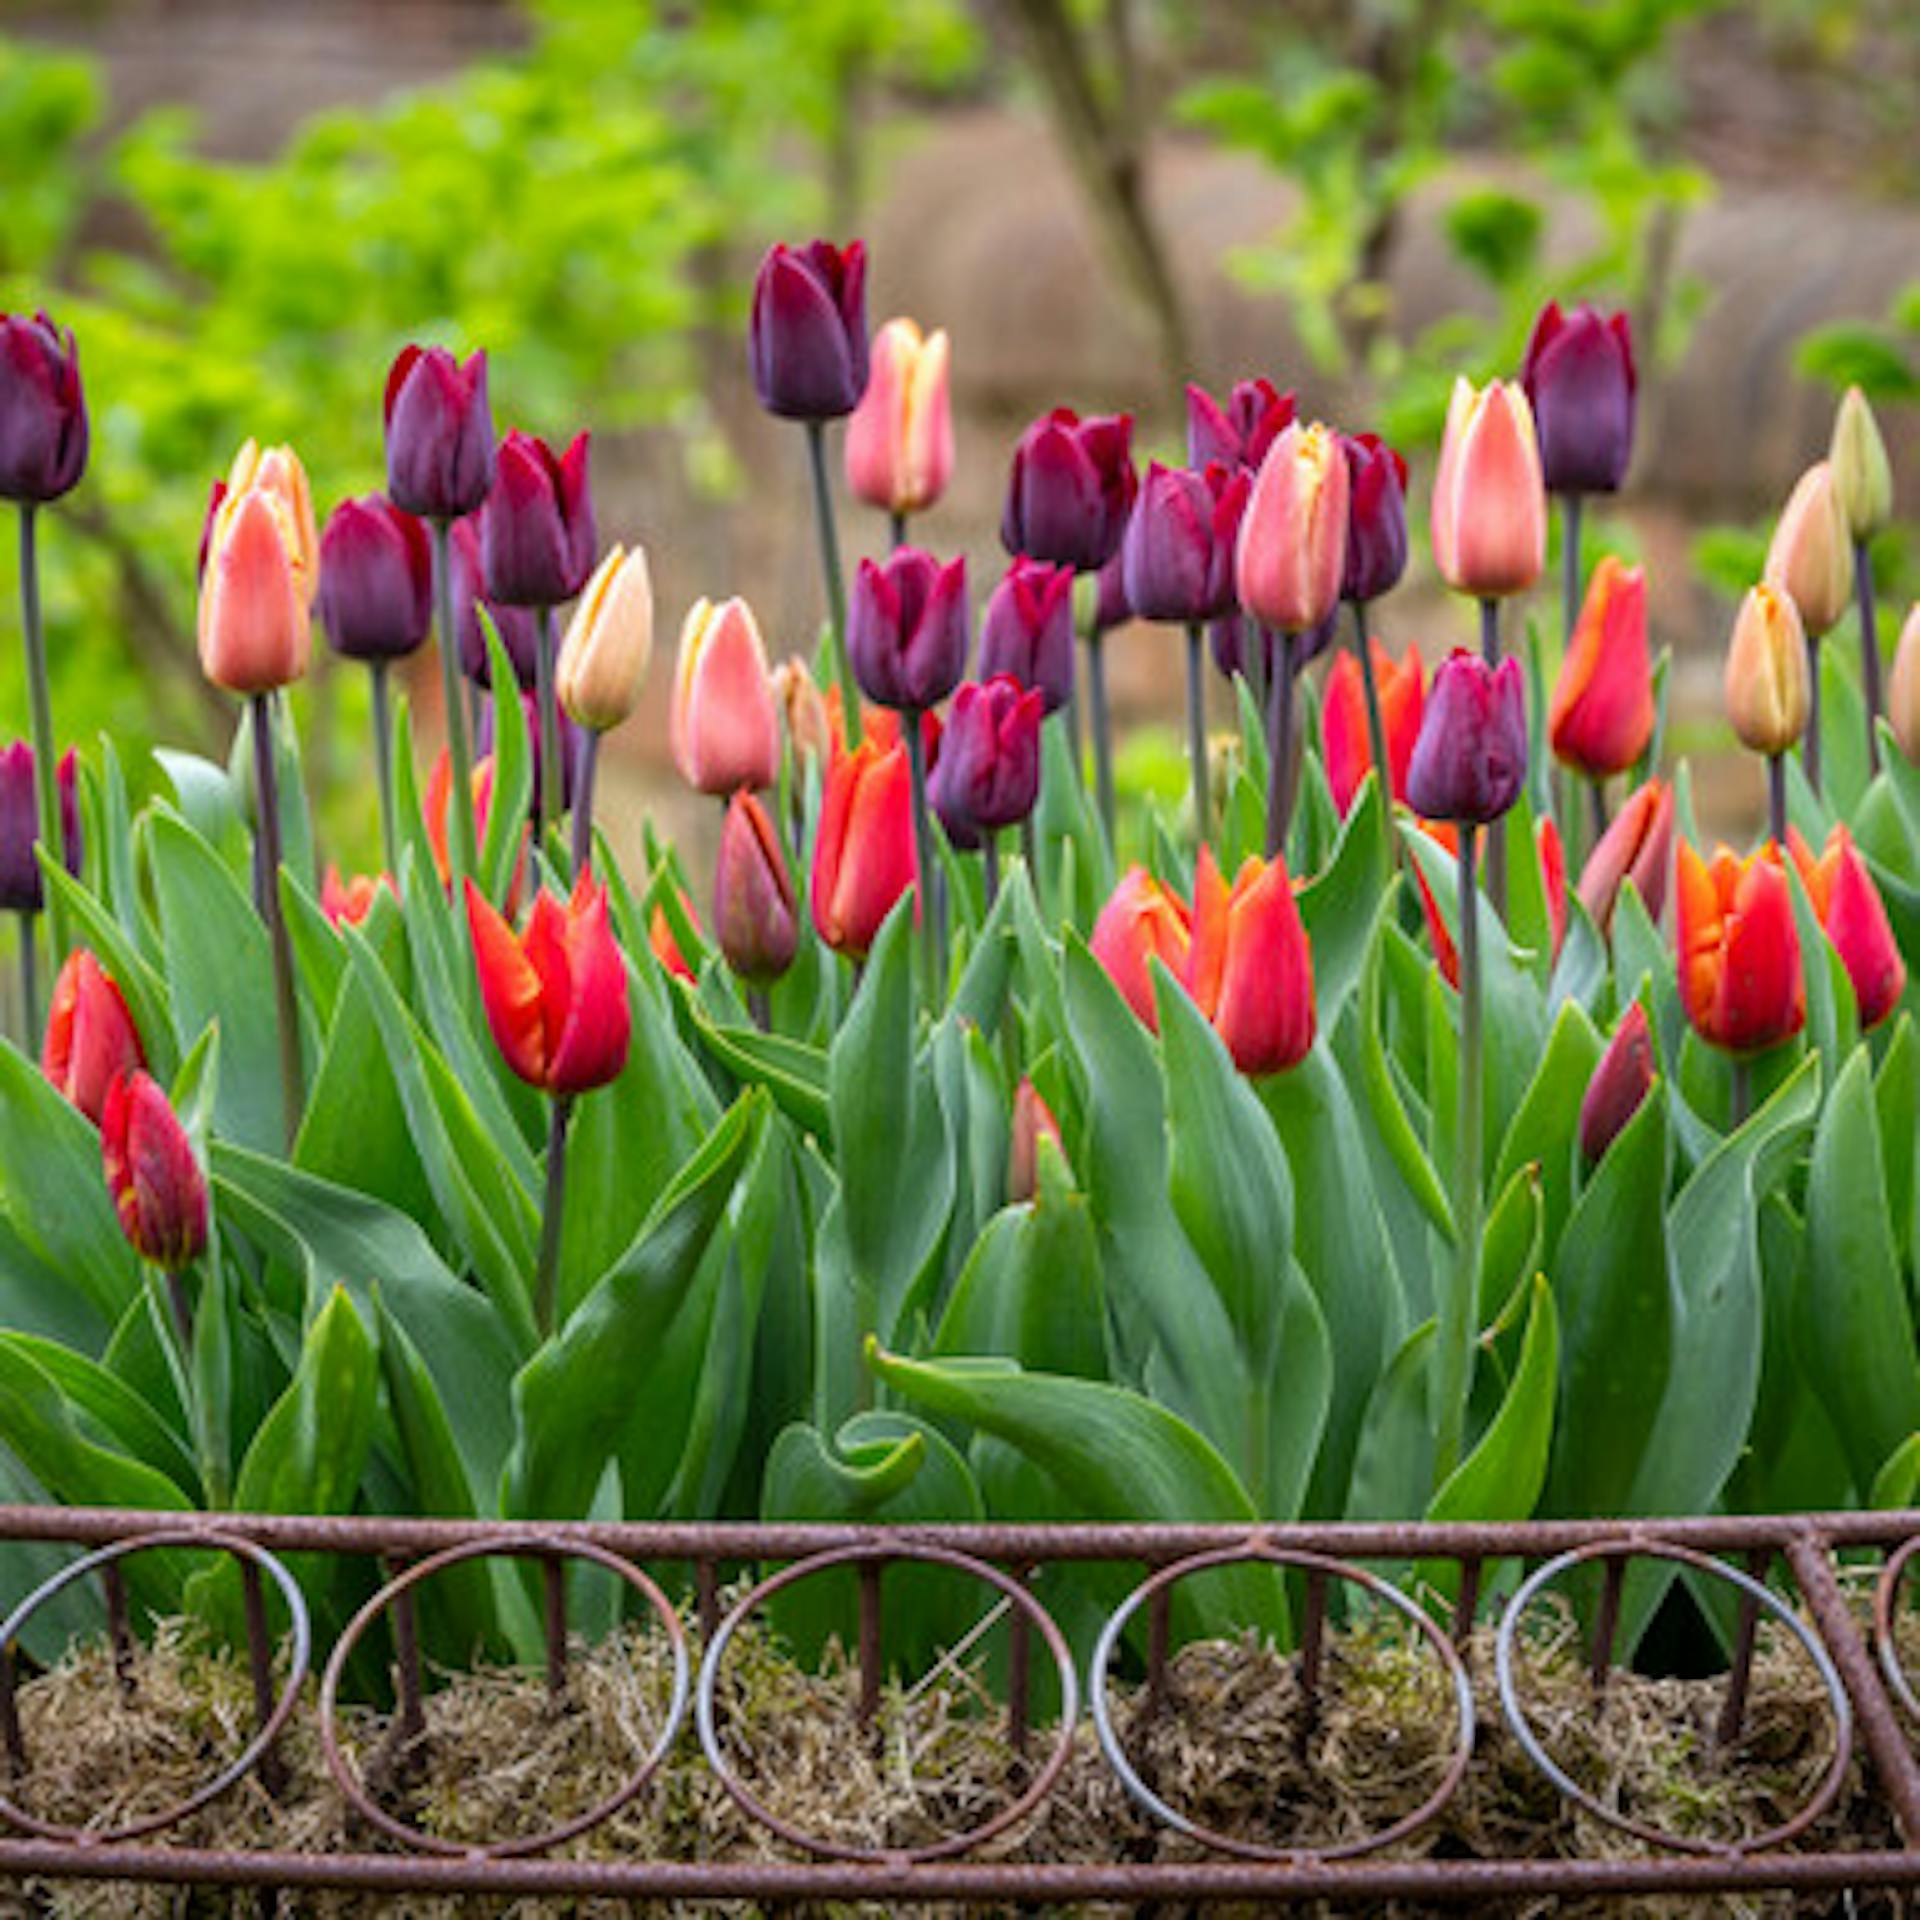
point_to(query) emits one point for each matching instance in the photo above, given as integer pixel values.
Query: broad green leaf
(38, 1425)
(310, 1453)
(794, 1073)
(1545, 1130)
(1393, 1464)
(1392, 1125)
(1897, 1484)
(116, 1416)
(1502, 1477)
(1340, 904)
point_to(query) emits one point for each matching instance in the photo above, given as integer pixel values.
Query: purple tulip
(43, 411)
(987, 773)
(1231, 636)
(518, 632)
(1027, 630)
(1112, 607)
(1470, 759)
(1071, 489)
(376, 579)
(1238, 433)
(907, 629)
(1376, 517)
(1579, 379)
(807, 340)
(1178, 554)
(537, 537)
(439, 433)
(20, 885)
(570, 732)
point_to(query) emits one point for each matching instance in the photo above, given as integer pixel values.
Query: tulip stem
(1572, 577)
(830, 567)
(29, 989)
(1810, 740)
(760, 1009)
(383, 768)
(924, 856)
(1030, 853)
(46, 772)
(462, 854)
(1497, 839)
(990, 863)
(1101, 724)
(585, 766)
(266, 803)
(1777, 798)
(1597, 793)
(547, 793)
(1490, 631)
(546, 1275)
(1197, 731)
(897, 530)
(1869, 649)
(1459, 1309)
(1280, 751)
(1253, 664)
(1376, 721)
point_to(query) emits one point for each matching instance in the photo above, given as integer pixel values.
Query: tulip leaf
(1528, 917)
(1393, 1463)
(793, 1072)
(1340, 904)
(1079, 876)
(116, 883)
(1580, 975)
(101, 1402)
(1833, 1017)
(1545, 1129)
(319, 954)
(1897, 1484)
(1511, 1243)
(309, 1454)
(1384, 1102)
(1844, 768)
(209, 803)
(1896, 1094)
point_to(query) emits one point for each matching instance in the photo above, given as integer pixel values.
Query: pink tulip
(721, 726)
(900, 436)
(1292, 551)
(1489, 500)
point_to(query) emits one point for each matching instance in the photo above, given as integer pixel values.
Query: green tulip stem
(462, 853)
(1597, 795)
(286, 1009)
(546, 1275)
(46, 772)
(1777, 798)
(1869, 649)
(896, 531)
(1197, 730)
(1101, 723)
(1253, 664)
(1497, 839)
(1739, 1093)
(29, 989)
(1810, 740)
(926, 865)
(1376, 720)
(586, 765)
(1280, 751)
(1490, 631)
(990, 865)
(383, 768)
(760, 1008)
(547, 803)
(1572, 577)
(835, 580)
(1459, 1307)
(181, 1309)
(1030, 854)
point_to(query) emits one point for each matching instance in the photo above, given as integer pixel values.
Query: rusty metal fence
(1794, 1573)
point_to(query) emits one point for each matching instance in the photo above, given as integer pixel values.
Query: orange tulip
(666, 949)
(1250, 968)
(254, 628)
(900, 436)
(863, 855)
(1142, 921)
(1489, 498)
(91, 1037)
(1345, 743)
(1601, 715)
(1739, 955)
(721, 726)
(1849, 907)
(436, 804)
(348, 902)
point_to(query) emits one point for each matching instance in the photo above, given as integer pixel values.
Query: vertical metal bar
(412, 1720)
(1019, 1669)
(119, 1631)
(10, 1734)
(253, 1600)
(706, 1585)
(1466, 1602)
(1313, 1636)
(1893, 1758)
(553, 1571)
(1606, 1623)
(1159, 1627)
(1733, 1712)
(869, 1641)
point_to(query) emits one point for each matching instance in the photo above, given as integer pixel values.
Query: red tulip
(348, 902)
(1553, 885)
(1637, 846)
(556, 995)
(1250, 969)
(1601, 715)
(1489, 500)
(1292, 553)
(1849, 907)
(90, 1034)
(1620, 1082)
(863, 855)
(1142, 921)
(1345, 742)
(1032, 1117)
(436, 804)
(753, 905)
(1739, 955)
(1238, 433)
(152, 1173)
(1553, 877)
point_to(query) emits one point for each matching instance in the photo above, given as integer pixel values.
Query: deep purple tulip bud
(1027, 630)
(537, 537)
(20, 885)
(570, 732)
(1232, 638)
(1376, 517)
(807, 341)
(376, 579)
(1309, 646)
(1177, 558)
(1238, 433)
(1579, 379)
(1620, 1082)
(987, 773)
(1071, 489)
(43, 411)
(519, 633)
(907, 629)
(1112, 607)
(439, 433)
(1470, 760)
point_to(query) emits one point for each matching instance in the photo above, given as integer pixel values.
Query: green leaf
(1393, 1127)
(208, 804)
(1340, 905)
(1545, 1129)
(117, 1416)
(1897, 1484)
(511, 799)
(1502, 1477)
(310, 1452)
(793, 1072)
(38, 1423)
(144, 986)
(1393, 1464)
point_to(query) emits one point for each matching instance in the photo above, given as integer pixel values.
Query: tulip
(1345, 739)
(1071, 489)
(515, 625)
(988, 773)
(537, 537)
(152, 1173)
(1637, 846)
(1767, 683)
(216, 496)
(346, 903)
(803, 710)
(1739, 955)
(1142, 921)
(277, 472)
(1863, 484)
(1292, 549)
(609, 641)
(900, 439)
(1809, 558)
(1177, 556)
(253, 628)
(20, 883)
(721, 726)
(753, 901)
(807, 342)
(1620, 1083)
(665, 948)
(1601, 715)
(1111, 607)
(1578, 377)
(90, 1034)
(907, 629)
(1489, 499)
(1032, 1118)
(1903, 689)
(1376, 518)
(1238, 433)
(1469, 759)
(1848, 905)
(1550, 858)
(43, 410)
(1250, 968)
(440, 452)
(376, 580)
(863, 854)
(1027, 630)
(436, 806)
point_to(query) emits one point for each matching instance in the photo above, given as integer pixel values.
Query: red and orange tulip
(1739, 953)
(900, 436)
(91, 1036)
(721, 726)
(1637, 846)
(863, 855)
(1489, 496)
(152, 1172)
(1292, 551)
(1343, 720)
(1142, 921)
(1250, 968)
(1849, 908)
(1601, 715)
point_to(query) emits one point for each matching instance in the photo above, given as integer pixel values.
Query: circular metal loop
(249, 1756)
(1269, 1554)
(1886, 1598)
(1762, 1597)
(887, 1553)
(530, 1546)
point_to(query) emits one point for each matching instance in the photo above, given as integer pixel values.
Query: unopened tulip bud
(440, 451)
(1903, 688)
(1620, 1083)
(1470, 760)
(907, 629)
(518, 627)
(1579, 379)
(1601, 715)
(1862, 475)
(1027, 630)
(1071, 489)
(864, 856)
(537, 532)
(153, 1173)
(1768, 687)
(1239, 431)
(90, 1034)
(807, 339)
(1292, 552)
(1178, 555)
(754, 916)
(1848, 906)
(1811, 556)
(988, 772)
(1738, 950)
(376, 580)
(1032, 1118)
(1637, 846)
(900, 438)
(1142, 921)
(609, 641)
(253, 628)
(43, 410)
(721, 726)
(1250, 969)
(1376, 517)
(21, 889)
(1489, 498)
(803, 710)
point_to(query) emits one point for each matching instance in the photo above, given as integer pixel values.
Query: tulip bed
(1315, 1148)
